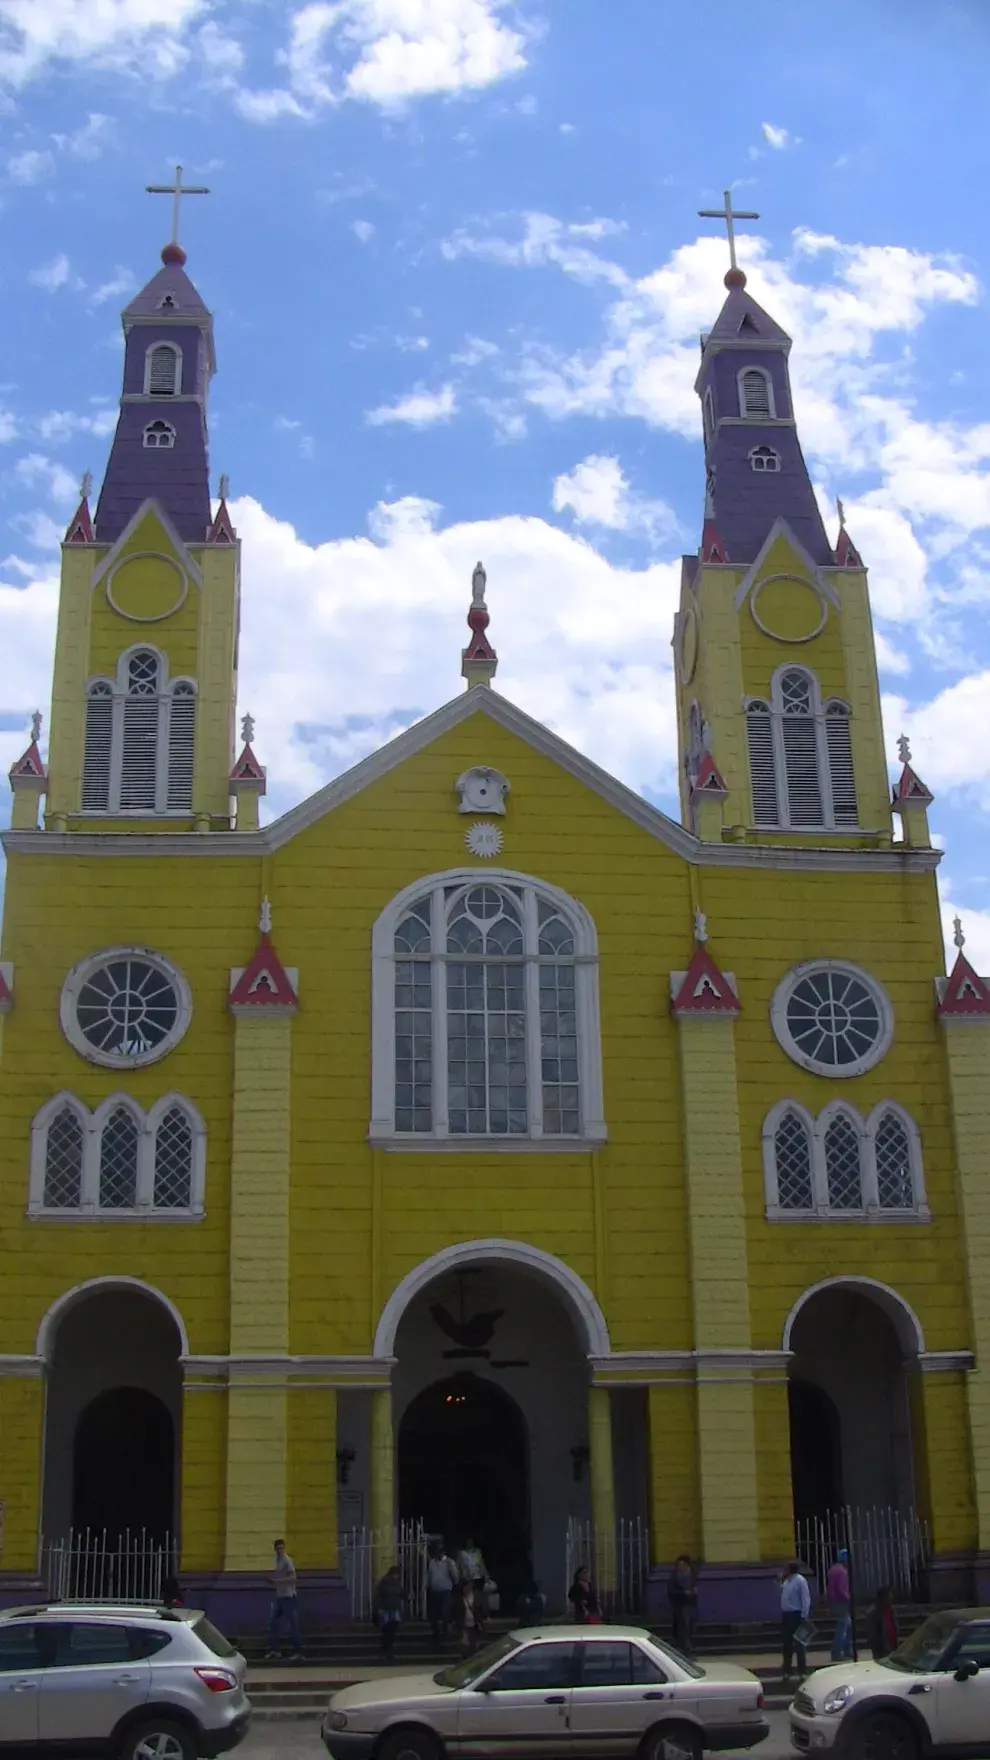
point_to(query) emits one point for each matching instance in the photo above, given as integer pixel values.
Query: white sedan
(557, 1690)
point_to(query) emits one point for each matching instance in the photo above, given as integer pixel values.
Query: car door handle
(913, 1691)
(125, 1680)
(556, 1699)
(24, 1687)
(654, 1695)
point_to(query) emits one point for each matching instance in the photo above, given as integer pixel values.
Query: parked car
(930, 1696)
(144, 1683)
(555, 1691)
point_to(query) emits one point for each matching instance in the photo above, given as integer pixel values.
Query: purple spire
(159, 450)
(756, 469)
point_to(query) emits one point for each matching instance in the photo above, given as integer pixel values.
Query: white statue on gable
(482, 790)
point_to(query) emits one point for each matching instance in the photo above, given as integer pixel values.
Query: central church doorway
(463, 1469)
(124, 1467)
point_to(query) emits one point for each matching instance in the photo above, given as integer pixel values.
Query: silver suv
(141, 1683)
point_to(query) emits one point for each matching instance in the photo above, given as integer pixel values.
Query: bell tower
(146, 650)
(780, 734)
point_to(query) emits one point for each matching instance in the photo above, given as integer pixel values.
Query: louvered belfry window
(838, 738)
(762, 769)
(163, 371)
(800, 757)
(140, 741)
(800, 740)
(755, 394)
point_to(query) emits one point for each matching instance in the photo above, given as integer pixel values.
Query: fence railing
(365, 1554)
(618, 1559)
(88, 1566)
(885, 1546)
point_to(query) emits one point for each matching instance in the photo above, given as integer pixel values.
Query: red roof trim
(705, 990)
(29, 765)
(221, 530)
(6, 995)
(247, 768)
(846, 553)
(80, 528)
(709, 779)
(911, 790)
(965, 991)
(264, 983)
(712, 547)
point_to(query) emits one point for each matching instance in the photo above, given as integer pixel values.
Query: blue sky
(453, 254)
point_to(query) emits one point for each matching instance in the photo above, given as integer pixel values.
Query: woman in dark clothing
(881, 1625)
(171, 1592)
(583, 1599)
(388, 1610)
(682, 1593)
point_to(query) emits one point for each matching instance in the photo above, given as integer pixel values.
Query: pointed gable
(264, 984)
(741, 319)
(703, 989)
(709, 779)
(846, 553)
(712, 547)
(80, 527)
(247, 769)
(169, 294)
(6, 988)
(221, 530)
(964, 992)
(911, 791)
(28, 767)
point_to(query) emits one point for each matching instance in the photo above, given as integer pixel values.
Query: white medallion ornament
(482, 790)
(484, 840)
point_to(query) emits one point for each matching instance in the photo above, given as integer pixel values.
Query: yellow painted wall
(22, 1405)
(204, 1477)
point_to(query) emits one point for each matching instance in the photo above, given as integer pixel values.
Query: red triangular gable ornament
(965, 992)
(846, 553)
(221, 531)
(709, 778)
(247, 768)
(80, 529)
(704, 989)
(712, 547)
(29, 765)
(264, 983)
(911, 791)
(6, 995)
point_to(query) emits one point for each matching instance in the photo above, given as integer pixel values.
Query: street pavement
(298, 1738)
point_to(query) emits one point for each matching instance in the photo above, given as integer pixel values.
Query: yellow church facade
(475, 1145)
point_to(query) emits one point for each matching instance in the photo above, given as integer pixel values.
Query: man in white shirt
(284, 1603)
(795, 1607)
(441, 1580)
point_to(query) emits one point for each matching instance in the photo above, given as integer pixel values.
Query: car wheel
(158, 1739)
(672, 1741)
(884, 1737)
(409, 1744)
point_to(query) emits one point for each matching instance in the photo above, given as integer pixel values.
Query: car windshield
(690, 1668)
(923, 1650)
(464, 1674)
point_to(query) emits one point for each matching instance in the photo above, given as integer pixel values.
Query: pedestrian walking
(582, 1597)
(795, 1607)
(285, 1608)
(473, 1569)
(682, 1593)
(838, 1594)
(442, 1579)
(388, 1610)
(881, 1625)
(465, 1616)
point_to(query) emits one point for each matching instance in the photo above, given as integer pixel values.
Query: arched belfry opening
(113, 1413)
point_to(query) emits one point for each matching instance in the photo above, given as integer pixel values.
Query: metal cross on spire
(729, 214)
(176, 190)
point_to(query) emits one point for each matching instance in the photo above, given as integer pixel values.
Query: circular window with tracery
(124, 1007)
(832, 1018)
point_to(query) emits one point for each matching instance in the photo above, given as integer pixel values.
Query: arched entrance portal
(816, 1452)
(464, 1469)
(123, 1478)
(112, 1412)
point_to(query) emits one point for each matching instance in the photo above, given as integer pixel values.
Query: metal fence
(618, 1559)
(885, 1546)
(366, 1553)
(88, 1566)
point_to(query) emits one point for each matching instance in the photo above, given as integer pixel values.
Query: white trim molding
(438, 892)
(745, 413)
(820, 1209)
(577, 1297)
(175, 351)
(79, 977)
(900, 1312)
(782, 1033)
(92, 1125)
(93, 1286)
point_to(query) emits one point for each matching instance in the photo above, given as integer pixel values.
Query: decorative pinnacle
(700, 927)
(957, 933)
(36, 720)
(265, 920)
(479, 659)
(903, 749)
(479, 581)
(840, 510)
(173, 252)
(247, 729)
(86, 486)
(224, 488)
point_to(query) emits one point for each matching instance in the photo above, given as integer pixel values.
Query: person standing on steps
(682, 1593)
(839, 1597)
(795, 1607)
(388, 1610)
(441, 1581)
(284, 1604)
(473, 1569)
(881, 1625)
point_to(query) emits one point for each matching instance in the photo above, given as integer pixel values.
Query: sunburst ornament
(484, 839)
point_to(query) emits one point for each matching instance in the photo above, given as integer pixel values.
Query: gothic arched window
(792, 1138)
(117, 1159)
(174, 1156)
(140, 739)
(842, 1166)
(764, 458)
(486, 1014)
(800, 756)
(63, 1159)
(160, 435)
(755, 394)
(163, 370)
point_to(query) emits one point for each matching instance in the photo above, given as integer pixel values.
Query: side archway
(578, 1298)
(94, 1286)
(899, 1312)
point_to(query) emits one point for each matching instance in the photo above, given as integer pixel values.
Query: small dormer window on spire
(159, 434)
(764, 458)
(163, 370)
(167, 304)
(755, 394)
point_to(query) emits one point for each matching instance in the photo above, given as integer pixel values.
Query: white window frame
(88, 1210)
(159, 446)
(745, 414)
(79, 976)
(778, 1019)
(820, 709)
(382, 1132)
(708, 414)
(176, 390)
(764, 451)
(167, 689)
(869, 1210)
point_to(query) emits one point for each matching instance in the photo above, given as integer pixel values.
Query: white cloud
(474, 349)
(30, 167)
(60, 425)
(89, 141)
(8, 426)
(545, 242)
(51, 276)
(419, 409)
(363, 230)
(120, 285)
(597, 492)
(143, 36)
(45, 473)
(778, 138)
